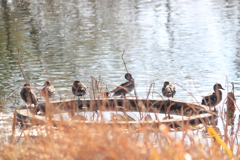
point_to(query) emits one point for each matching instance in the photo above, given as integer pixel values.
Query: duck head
(47, 83)
(217, 86)
(166, 83)
(26, 85)
(128, 76)
(75, 83)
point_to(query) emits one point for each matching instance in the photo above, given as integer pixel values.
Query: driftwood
(192, 113)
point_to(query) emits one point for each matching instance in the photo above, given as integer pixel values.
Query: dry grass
(80, 141)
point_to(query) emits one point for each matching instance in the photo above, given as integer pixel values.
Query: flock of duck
(168, 90)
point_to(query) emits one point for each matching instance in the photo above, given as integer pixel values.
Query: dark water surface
(190, 43)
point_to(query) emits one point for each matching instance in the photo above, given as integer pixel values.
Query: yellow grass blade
(211, 131)
(154, 154)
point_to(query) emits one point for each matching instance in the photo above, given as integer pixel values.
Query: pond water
(193, 44)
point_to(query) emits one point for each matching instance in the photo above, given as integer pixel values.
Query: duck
(126, 87)
(213, 98)
(168, 89)
(78, 88)
(231, 100)
(231, 106)
(48, 90)
(28, 95)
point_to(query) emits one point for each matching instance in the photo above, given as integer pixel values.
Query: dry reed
(82, 141)
(73, 141)
(101, 142)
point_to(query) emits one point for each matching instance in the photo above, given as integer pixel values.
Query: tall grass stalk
(82, 141)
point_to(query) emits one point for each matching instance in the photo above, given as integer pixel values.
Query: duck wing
(48, 91)
(169, 90)
(51, 89)
(23, 94)
(33, 98)
(30, 97)
(123, 88)
(81, 89)
(210, 99)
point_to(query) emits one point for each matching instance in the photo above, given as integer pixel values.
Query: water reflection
(193, 44)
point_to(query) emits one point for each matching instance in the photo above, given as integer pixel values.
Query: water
(193, 44)
(115, 116)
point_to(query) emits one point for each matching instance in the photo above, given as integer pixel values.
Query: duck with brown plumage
(79, 89)
(48, 90)
(126, 87)
(168, 89)
(214, 98)
(29, 97)
(231, 106)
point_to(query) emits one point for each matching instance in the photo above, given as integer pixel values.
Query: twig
(14, 125)
(186, 91)
(124, 61)
(153, 89)
(20, 136)
(135, 92)
(232, 87)
(150, 87)
(92, 85)
(19, 63)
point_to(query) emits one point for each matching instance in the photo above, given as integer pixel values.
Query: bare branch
(19, 64)
(124, 61)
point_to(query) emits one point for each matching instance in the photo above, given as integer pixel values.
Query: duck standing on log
(126, 87)
(168, 89)
(78, 88)
(214, 98)
(231, 105)
(28, 95)
(48, 91)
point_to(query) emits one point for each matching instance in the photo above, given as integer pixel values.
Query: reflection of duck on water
(121, 117)
(74, 116)
(214, 98)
